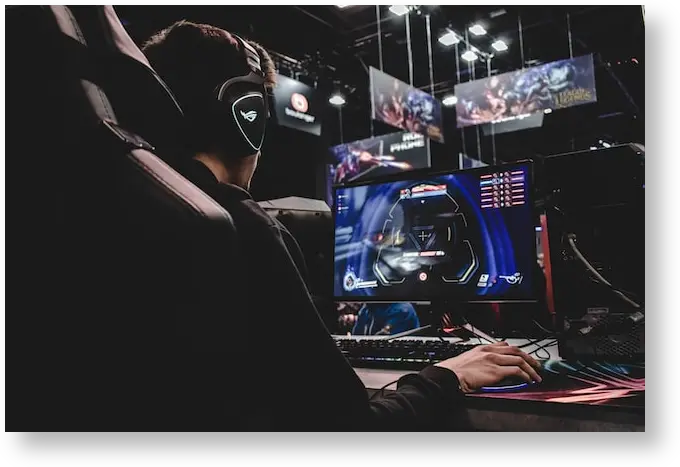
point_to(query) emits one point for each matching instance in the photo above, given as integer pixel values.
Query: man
(300, 381)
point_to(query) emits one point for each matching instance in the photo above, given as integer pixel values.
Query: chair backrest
(121, 313)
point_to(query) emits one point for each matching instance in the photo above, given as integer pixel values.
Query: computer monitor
(466, 236)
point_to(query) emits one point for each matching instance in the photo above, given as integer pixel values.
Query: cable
(440, 331)
(571, 239)
(631, 295)
(543, 348)
(381, 391)
(478, 334)
(550, 333)
(530, 343)
(408, 333)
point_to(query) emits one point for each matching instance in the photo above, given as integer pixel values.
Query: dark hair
(193, 59)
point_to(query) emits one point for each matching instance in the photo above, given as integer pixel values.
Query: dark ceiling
(334, 47)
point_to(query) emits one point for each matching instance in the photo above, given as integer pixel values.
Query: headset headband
(252, 57)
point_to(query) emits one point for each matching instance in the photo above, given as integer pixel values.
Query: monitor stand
(449, 313)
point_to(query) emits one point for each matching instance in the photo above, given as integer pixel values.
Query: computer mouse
(512, 383)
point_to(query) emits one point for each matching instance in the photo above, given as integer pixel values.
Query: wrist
(463, 386)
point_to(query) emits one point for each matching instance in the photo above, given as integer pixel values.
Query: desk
(574, 396)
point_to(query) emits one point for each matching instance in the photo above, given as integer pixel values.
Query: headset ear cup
(226, 126)
(242, 109)
(250, 114)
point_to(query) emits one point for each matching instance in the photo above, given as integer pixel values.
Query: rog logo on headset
(250, 116)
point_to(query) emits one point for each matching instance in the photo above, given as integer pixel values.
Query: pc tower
(594, 202)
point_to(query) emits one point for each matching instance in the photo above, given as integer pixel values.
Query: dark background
(331, 48)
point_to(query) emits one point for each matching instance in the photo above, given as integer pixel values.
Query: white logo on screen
(251, 115)
(515, 279)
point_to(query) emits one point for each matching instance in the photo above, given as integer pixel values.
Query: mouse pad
(592, 383)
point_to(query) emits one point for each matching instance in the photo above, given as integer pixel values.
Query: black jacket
(299, 380)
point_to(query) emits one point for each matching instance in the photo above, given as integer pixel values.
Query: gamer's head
(221, 83)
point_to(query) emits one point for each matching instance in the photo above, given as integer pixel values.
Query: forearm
(424, 401)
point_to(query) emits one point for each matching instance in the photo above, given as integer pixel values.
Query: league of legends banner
(506, 97)
(382, 155)
(402, 106)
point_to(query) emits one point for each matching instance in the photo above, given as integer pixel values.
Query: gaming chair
(119, 318)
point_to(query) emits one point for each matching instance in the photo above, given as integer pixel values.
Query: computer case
(594, 201)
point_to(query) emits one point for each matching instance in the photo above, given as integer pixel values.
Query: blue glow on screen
(443, 237)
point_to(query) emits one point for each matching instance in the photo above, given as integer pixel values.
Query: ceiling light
(449, 38)
(342, 6)
(499, 46)
(470, 56)
(337, 100)
(449, 100)
(399, 10)
(547, 111)
(477, 30)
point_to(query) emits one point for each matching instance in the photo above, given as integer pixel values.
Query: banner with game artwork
(402, 106)
(381, 155)
(510, 96)
(521, 122)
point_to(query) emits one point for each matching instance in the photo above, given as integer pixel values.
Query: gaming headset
(242, 104)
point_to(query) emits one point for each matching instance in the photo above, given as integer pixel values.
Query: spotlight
(477, 30)
(470, 56)
(500, 46)
(449, 38)
(337, 100)
(547, 111)
(399, 10)
(449, 100)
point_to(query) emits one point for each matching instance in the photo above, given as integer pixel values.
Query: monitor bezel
(429, 172)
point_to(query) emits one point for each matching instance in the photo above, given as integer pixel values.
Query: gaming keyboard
(401, 354)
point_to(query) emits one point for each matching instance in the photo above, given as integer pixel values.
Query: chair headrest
(141, 101)
(100, 24)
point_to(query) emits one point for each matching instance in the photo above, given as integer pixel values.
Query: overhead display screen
(297, 105)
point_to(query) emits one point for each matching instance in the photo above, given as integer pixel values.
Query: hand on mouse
(488, 364)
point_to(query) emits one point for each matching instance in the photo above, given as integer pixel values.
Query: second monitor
(458, 236)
